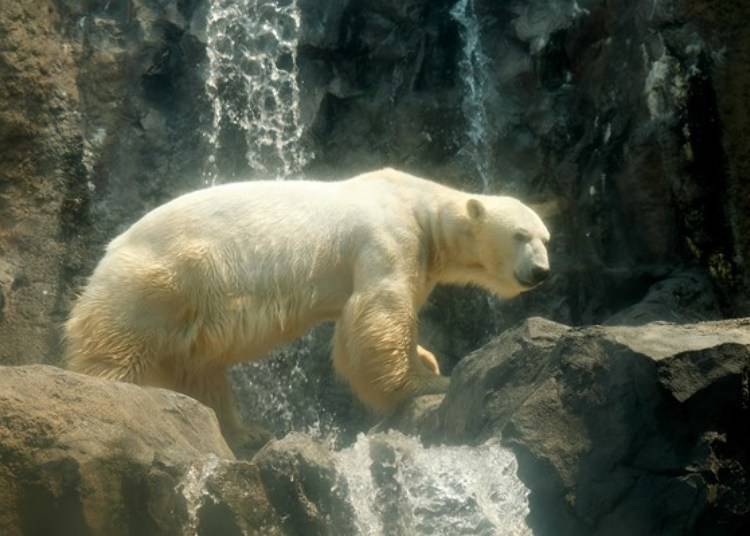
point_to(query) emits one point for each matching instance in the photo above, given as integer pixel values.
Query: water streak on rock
(473, 69)
(193, 489)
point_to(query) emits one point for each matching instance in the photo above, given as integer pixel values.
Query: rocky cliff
(626, 121)
(625, 118)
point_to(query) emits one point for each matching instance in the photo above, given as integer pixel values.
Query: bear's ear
(475, 209)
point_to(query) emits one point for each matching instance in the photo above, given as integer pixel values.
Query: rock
(98, 103)
(80, 455)
(305, 487)
(683, 297)
(618, 430)
(490, 384)
(40, 154)
(321, 23)
(728, 139)
(416, 417)
(382, 73)
(226, 497)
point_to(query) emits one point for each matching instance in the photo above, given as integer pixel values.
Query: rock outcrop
(617, 430)
(79, 455)
(99, 121)
(85, 456)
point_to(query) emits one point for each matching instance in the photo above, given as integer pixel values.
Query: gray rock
(618, 430)
(489, 385)
(683, 297)
(305, 487)
(226, 497)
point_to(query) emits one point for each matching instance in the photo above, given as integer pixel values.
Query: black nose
(539, 274)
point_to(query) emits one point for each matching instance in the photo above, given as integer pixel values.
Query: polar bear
(224, 274)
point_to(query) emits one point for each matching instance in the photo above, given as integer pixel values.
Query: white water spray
(252, 84)
(439, 490)
(280, 391)
(193, 488)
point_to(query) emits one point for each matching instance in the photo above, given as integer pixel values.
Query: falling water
(291, 390)
(193, 489)
(473, 69)
(435, 490)
(253, 90)
(252, 86)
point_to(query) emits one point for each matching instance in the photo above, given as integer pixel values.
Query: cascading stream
(252, 85)
(473, 70)
(448, 490)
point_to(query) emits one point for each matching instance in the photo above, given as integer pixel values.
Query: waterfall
(256, 133)
(252, 87)
(286, 391)
(435, 490)
(473, 71)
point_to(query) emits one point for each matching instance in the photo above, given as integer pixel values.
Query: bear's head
(510, 242)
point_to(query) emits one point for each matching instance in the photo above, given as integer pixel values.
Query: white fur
(224, 274)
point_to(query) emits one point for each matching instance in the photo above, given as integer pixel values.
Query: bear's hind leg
(211, 386)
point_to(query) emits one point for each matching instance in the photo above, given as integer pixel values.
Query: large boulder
(80, 455)
(618, 430)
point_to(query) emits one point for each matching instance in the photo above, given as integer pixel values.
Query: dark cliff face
(627, 118)
(617, 112)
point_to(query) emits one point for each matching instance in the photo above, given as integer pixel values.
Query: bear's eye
(521, 236)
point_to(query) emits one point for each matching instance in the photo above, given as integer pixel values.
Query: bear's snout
(532, 276)
(539, 274)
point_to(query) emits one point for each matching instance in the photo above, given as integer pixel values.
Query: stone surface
(618, 430)
(80, 455)
(41, 154)
(301, 480)
(611, 110)
(85, 456)
(98, 122)
(417, 417)
(624, 115)
(225, 497)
